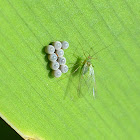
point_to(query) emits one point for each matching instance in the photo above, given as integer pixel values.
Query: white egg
(54, 65)
(57, 73)
(57, 45)
(52, 57)
(64, 68)
(60, 53)
(65, 45)
(50, 49)
(61, 60)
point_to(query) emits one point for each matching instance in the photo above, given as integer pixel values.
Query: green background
(40, 106)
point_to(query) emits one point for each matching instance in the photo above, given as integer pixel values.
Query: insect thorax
(85, 67)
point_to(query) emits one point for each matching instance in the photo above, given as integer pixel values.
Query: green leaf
(39, 106)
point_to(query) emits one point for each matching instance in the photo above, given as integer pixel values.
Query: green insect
(86, 72)
(86, 75)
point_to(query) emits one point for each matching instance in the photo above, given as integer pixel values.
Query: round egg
(54, 65)
(64, 68)
(52, 57)
(65, 45)
(61, 60)
(57, 73)
(57, 45)
(50, 49)
(60, 53)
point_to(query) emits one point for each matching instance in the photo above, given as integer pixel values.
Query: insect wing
(91, 80)
(87, 81)
(85, 69)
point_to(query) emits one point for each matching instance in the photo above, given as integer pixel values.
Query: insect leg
(76, 69)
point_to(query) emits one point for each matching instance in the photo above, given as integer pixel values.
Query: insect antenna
(83, 50)
(101, 50)
(106, 45)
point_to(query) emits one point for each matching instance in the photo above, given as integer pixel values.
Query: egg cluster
(55, 55)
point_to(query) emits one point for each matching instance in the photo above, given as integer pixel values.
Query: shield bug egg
(54, 65)
(61, 60)
(57, 73)
(57, 45)
(64, 68)
(65, 45)
(50, 49)
(52, 57)
(60, 53)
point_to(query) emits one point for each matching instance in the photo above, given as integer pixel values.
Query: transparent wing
(91, 80)
(87, 82)
(81, 83)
